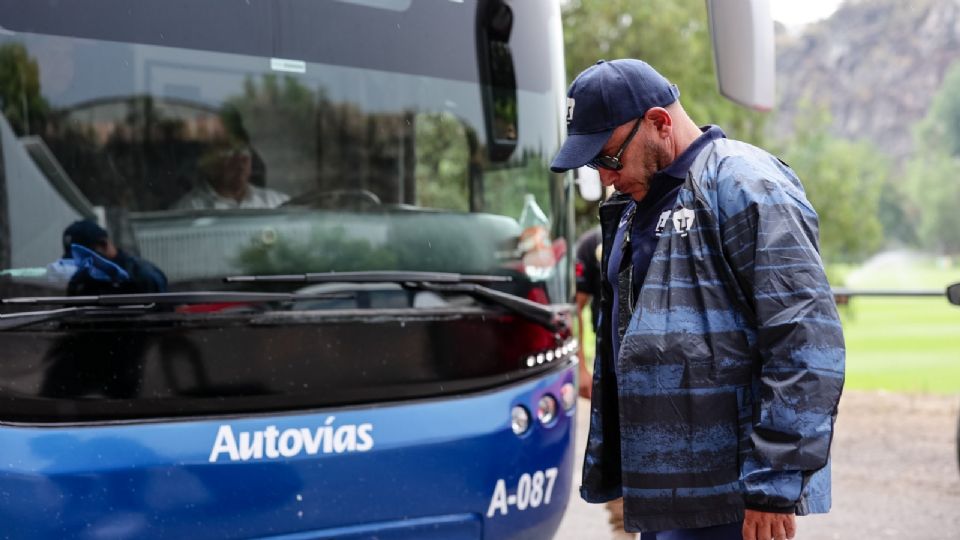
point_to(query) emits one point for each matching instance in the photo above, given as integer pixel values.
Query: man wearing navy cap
(104, 269)
(714, 397)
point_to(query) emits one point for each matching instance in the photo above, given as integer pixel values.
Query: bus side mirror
(588, 184)
(743, 51)
(498, 79)
(953, 294)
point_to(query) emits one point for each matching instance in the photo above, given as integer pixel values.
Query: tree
(442, 158)
(931, 187)
(20, 98)
(939, 131)
(843, 180)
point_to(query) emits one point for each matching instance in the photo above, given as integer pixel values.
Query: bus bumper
(448, 468)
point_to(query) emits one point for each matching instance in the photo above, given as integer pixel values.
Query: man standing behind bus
(588, 292)
(715, 397)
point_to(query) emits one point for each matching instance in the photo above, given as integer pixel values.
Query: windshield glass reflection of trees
(207, 165)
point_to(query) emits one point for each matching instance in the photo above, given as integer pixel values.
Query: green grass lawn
(903, 344)
(897, 344)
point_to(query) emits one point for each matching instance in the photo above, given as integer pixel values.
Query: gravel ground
(895, 473)
(894, 470)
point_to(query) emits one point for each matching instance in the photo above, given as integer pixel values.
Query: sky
(798, 12)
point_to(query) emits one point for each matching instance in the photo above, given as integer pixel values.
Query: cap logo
(570, 103)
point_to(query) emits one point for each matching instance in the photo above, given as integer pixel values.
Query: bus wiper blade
(11, 321)
(373, 276)
(538, 313)
(176, 298)
(432, 281)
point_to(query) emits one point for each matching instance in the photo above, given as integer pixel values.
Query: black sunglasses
(613, 163)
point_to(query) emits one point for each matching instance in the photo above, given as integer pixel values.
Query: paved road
(894, 473)
(583, 521)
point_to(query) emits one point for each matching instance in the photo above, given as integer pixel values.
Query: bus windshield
(222, 138)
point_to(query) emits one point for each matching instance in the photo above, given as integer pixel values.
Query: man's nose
(607, 176)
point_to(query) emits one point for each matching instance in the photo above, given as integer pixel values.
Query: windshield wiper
(432, 281)
(470, 284)
(125, 304)
(10, 321)
(538, 313)
(373, 276)
(175, 298)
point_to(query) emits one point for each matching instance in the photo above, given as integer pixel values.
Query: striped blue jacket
(725, 392)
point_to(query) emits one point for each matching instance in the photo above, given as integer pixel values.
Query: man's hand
(586, 380)
(768, 526)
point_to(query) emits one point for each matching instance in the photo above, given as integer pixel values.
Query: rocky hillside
(875, 64)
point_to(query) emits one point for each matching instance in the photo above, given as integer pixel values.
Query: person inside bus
(715, 396)
(102, 268)
(587, 273)
(225, 168)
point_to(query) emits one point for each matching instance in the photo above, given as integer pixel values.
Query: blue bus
(284, 269)
(364, 329)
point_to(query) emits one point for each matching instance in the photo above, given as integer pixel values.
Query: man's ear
(661, 120)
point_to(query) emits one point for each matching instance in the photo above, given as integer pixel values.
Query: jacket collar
(679, 167)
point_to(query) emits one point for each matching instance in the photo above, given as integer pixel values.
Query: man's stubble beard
(655, 158)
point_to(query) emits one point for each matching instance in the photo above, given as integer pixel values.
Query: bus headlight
(546, 409)
(519, 420)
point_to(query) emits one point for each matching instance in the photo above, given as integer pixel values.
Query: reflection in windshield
(209, 164)
(225, 168)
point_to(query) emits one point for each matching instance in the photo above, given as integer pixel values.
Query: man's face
(645, 154)
(227, 166)
(106, 248)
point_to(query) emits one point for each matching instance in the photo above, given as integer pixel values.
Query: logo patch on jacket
(662, 222)
(682, 218)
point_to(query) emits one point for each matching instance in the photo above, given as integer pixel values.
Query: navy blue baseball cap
(603, 97)
(85, 233)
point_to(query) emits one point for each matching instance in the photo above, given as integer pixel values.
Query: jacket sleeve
(769, 235)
